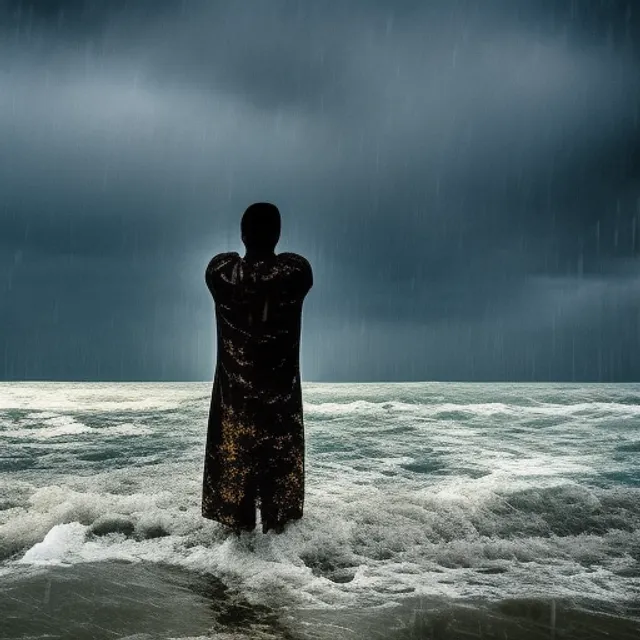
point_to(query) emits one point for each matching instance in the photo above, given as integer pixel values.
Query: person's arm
(300, 277)
(213, 272)
(306, 277)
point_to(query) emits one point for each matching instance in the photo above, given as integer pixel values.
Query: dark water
(427, 504)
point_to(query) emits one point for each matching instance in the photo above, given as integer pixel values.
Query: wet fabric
(255, 439)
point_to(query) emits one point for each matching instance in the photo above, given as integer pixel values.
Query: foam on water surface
(413, 490)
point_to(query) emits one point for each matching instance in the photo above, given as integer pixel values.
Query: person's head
(260, 227)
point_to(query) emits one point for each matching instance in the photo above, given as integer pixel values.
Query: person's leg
(269, 514)
(244, 517)
(265, 487)
(275, 527)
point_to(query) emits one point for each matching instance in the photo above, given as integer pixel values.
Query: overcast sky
(463, 176)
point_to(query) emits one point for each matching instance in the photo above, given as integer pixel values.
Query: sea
(432, 510)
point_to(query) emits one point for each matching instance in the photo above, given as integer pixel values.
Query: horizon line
(211, 380)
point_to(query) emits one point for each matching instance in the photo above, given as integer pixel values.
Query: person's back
(255, 442)
(258, 314)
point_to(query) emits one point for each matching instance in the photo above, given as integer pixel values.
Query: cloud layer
(465, 182)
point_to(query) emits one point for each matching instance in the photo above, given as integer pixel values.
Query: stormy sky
(463, 176)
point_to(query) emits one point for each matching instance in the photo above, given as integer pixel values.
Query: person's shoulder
(295, 261)
(221, 259)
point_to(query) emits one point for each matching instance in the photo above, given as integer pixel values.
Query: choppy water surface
(425, 489)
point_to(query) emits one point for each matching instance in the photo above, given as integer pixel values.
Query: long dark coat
(255, 439)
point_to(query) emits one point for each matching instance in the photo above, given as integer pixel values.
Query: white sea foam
(373, 545)
(104, 397)
(474, 410)
(62, 541)
(48, 425)
(128, 429)
(402, 498)
(51, 426)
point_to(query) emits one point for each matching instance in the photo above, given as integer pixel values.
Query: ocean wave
(445, 410)
(460, 492)
(372, 546)
(47, 425)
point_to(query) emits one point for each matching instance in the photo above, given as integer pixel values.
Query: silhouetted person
(255, 438)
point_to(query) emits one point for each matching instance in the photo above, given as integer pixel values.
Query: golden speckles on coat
(255, 438)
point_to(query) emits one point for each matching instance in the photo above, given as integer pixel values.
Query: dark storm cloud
(464, 180)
